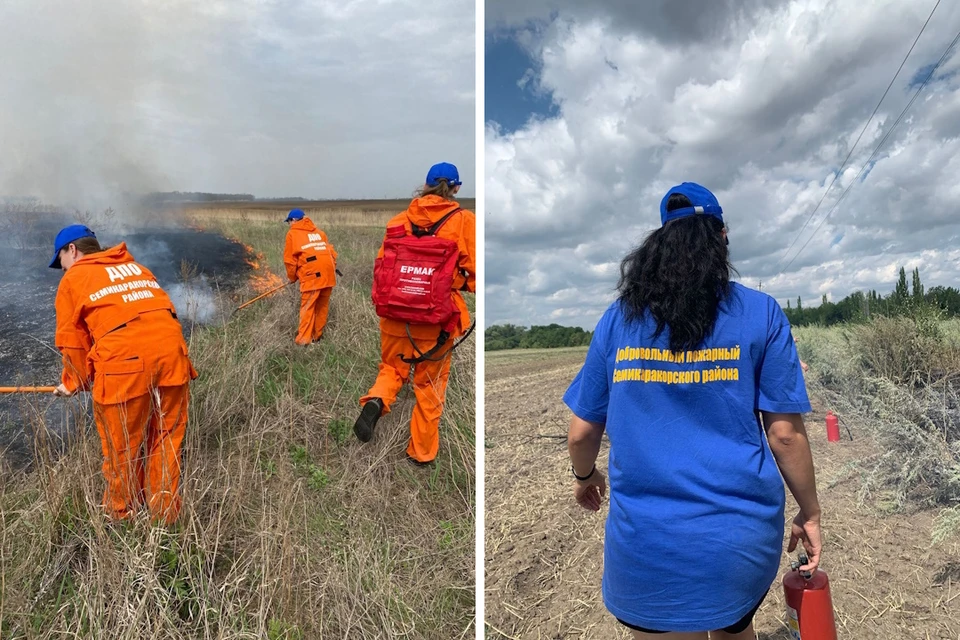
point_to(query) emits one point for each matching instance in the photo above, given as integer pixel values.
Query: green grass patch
(279, 630)
(340, 430)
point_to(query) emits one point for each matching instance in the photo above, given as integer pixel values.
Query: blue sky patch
(506, 102)
(924, 71)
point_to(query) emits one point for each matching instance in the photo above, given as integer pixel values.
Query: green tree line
(509, 336)
(861, 305)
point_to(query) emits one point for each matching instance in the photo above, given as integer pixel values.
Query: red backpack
(413, 280)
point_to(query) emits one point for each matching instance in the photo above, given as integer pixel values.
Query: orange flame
(265, 282)
(262, 280)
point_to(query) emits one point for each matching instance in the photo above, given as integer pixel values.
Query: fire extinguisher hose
(441, 340)
(845, 426)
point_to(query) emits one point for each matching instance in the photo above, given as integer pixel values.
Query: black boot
(368, 419)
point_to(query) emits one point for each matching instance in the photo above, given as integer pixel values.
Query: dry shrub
(908, 351)
(898, 381)
(290, 528)
(17, 224)
(103, 219)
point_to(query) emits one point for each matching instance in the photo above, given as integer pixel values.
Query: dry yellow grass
(339, 213)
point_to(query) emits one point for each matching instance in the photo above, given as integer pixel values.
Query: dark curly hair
(680, 274)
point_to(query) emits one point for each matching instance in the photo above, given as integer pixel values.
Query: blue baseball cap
(67, 235)
(443, 170)
(295, 214)
(701, 201)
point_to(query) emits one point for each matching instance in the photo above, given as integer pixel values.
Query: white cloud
(763, 113)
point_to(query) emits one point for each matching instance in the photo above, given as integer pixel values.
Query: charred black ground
(192, 265)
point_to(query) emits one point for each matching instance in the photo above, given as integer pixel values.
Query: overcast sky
(313, 98)
(609, 103)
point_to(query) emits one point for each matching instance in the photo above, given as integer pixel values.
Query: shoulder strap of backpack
(421, 232)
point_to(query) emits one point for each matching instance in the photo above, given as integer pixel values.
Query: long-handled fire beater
(27, 389)
(271, 292)
(263, 295)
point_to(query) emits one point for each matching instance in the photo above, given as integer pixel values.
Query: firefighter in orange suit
(310, 258)
(119, 336)
(435, 200)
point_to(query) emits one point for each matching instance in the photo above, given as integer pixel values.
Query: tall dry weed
(896, 380)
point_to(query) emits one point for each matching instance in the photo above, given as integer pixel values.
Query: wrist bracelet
(582, 478)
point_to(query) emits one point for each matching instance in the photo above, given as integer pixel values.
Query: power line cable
(933, 70)
(862, 131)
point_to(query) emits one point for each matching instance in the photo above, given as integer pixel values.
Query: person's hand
(589, 493)
(803, 365)
(807, 530)
(61, 391)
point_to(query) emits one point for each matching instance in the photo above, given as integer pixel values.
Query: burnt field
(192, 265)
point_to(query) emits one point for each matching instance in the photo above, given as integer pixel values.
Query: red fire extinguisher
(833, 427)
(809, 607)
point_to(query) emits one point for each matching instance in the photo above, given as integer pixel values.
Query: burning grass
(291, 529)
(262, 279)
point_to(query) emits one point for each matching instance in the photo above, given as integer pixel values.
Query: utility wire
(862, 131)
(933, 70)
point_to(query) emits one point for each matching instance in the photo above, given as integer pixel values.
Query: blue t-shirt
(695, 530)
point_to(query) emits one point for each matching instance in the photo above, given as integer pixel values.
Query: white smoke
(105, 99)
(74, 78)
(196, 301)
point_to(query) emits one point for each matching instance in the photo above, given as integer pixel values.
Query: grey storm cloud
(316, 99)
(668, 20)
(763, 114)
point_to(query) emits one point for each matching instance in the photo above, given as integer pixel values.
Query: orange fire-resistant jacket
(309, 257)
(460, 227)
(117, 328)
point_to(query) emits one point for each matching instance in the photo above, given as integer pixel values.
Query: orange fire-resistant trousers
(314, 306)
(141, 441)
(429, 387)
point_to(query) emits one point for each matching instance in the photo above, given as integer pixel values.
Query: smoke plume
(106, 99)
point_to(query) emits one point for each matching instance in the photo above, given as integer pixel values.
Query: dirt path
(544, 553)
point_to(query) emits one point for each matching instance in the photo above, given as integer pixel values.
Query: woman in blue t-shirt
(697, 383)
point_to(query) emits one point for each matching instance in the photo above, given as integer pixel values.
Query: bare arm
(583, 443)
(788, 442)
